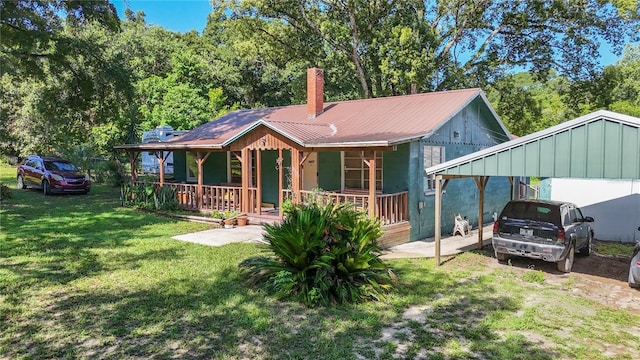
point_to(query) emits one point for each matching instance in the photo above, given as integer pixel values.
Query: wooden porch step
(395, 234)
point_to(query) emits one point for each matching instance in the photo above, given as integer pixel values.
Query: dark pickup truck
(539, 229)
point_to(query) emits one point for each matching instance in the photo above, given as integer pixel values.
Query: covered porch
(246, 193)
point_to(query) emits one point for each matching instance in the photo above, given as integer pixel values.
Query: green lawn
(81, 277)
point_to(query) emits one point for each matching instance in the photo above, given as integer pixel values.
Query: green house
(371, 152)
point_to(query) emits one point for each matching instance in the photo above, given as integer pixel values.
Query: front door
(310, 172)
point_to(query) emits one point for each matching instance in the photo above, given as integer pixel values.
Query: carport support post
(481, 182)
(511, 187)
(438, 216)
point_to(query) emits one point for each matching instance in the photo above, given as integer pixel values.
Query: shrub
(322, 255)
(150, 197)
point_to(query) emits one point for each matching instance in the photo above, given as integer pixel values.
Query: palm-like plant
(322, 254)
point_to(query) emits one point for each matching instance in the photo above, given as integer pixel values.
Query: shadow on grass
(453, 317)
(207, 319)
(52, 240)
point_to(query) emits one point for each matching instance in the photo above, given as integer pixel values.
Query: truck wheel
(566, 264)
(502, 256)
(586, 251)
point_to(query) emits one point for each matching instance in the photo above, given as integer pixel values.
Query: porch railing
(390, 208)
(221, 198)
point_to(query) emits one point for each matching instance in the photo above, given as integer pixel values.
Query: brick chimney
(315, 92)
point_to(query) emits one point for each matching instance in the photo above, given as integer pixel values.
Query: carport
(600, 145)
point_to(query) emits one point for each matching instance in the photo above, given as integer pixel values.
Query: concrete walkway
(450, 245)
(219, 237)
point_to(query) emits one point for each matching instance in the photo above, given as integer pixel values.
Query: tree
(399, 46)
(55, 54)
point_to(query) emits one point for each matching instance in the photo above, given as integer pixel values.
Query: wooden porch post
(280, 162)
(246, 175)
(200, 159)
(372, 185)
(259, 180)
(161, 161)
(295, 175)
(481, 182)
(133, 157)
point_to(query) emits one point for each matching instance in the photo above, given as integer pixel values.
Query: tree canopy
(74, 75)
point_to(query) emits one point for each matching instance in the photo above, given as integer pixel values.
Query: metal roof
(368, 122)
(602, 144)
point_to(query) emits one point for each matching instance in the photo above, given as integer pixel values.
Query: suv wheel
(45, 188)
(20, 183)
(586, 251)
(566, 264)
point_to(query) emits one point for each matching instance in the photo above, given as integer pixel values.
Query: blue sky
(185, 15)
(175, 15)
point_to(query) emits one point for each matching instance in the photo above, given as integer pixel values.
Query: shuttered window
(433, 155)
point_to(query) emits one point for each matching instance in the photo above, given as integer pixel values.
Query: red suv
(52, 175)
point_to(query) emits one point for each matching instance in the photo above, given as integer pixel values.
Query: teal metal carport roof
(600, 145)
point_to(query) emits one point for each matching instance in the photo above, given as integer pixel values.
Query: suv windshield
(59, 166)
(532, 211)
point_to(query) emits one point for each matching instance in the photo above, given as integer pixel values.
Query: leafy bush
(5, 192)
(322, 255)
(150, 197)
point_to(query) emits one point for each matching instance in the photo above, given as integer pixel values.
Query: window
(433, 155)
(192, 168)
(235, 168)
(356, 172)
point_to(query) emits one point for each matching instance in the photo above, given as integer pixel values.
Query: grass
(81, 277)
(613, 248)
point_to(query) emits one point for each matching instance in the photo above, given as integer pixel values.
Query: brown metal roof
(367, 122)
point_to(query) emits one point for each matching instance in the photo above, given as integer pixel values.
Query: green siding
(563, 154)
(630, 160)
(547, 152)
(180, 166)
(214, 170)
(577, 163)
(476, 129)
(598, 148)
(395, 169)
(329, 170)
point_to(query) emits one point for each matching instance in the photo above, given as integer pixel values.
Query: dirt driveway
(602, 278)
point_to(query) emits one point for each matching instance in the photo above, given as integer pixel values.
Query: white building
(614, 204)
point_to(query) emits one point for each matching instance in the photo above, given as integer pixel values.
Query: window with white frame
(192, 168)
(356, 172)
(433, 155)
